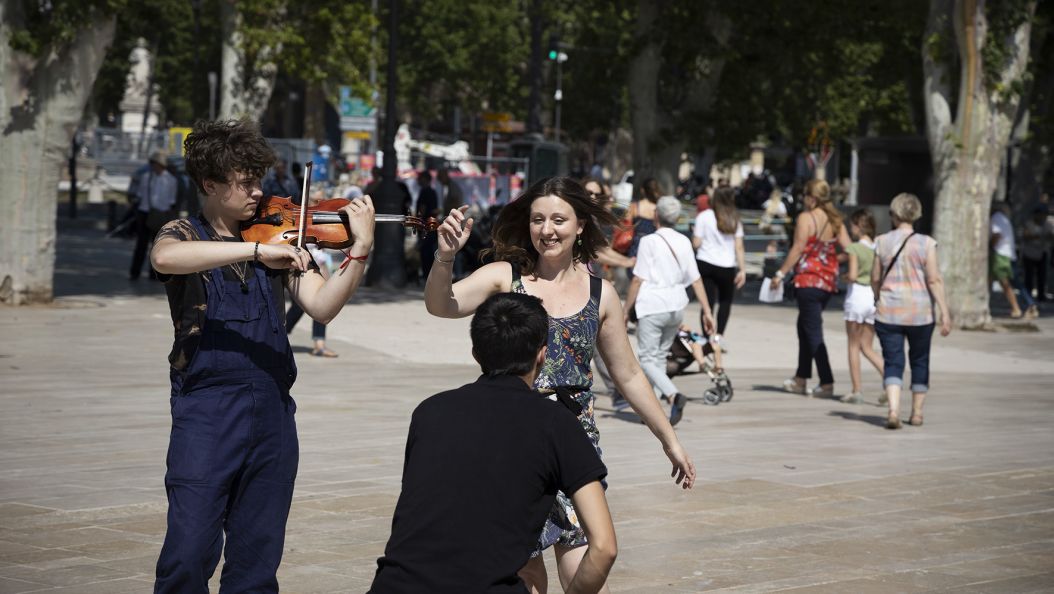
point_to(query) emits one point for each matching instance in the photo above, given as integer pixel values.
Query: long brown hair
(724, 205)
(512, 230)
(651, 190)
(821, 191)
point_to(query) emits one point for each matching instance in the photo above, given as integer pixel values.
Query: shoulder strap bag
(885, 273)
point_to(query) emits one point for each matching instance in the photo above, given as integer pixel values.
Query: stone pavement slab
(796, 494)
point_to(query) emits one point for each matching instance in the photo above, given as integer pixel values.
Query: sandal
(893, 422)
(324, 352)
(915, 420)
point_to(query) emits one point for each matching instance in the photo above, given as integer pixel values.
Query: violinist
(233, 450)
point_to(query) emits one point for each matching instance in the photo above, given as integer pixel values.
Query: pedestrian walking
(1003, 264)
(641, 213)
(278, 182)
(1037, 237)
(491, 455)
(664, 268)
(908, 282)
(233, 451)
(717, 237)
(157, 193)
(427, 207)
(859, 303)
(607, 263)
(542, 242)
(817, 232)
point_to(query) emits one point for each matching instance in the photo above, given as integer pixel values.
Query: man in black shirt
(483, 465)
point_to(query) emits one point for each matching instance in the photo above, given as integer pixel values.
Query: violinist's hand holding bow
(282, 256)
(454, 232)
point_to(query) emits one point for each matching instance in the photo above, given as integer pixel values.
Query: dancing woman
(542, 241)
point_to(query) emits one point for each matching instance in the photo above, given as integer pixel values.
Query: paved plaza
(795, 494)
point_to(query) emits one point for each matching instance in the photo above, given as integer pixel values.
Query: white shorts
(860, 304)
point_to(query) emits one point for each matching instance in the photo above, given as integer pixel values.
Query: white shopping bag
(768, 294)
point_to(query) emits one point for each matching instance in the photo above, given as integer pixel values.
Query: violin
(279, 220)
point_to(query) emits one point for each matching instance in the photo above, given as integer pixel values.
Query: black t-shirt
(483, 464)
(187, 297)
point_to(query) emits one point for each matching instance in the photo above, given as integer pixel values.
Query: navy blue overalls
(233, 452)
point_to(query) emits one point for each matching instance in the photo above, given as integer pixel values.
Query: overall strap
(203, 235)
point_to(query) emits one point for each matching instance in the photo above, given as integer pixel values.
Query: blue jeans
(810, 334)
(891, 337)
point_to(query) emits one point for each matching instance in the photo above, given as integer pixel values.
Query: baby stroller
(689, 347)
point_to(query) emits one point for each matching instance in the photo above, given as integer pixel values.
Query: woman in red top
(816, 232)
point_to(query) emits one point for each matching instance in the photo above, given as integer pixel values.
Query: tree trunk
(967, 151)
(315, 112)
(41, 104)
(534, 69)
(657, 143)
(653, 155)
(247, 81)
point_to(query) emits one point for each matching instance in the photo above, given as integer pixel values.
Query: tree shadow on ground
(877, 421)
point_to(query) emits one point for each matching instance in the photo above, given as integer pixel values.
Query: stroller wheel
(724, 388)
(712, 397)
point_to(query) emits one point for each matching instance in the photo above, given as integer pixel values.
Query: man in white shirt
(157, 198)
(1001, 262)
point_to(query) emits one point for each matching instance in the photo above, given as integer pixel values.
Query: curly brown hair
(215, 150)
(512, 231)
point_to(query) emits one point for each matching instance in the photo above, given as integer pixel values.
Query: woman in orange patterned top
(817, 231)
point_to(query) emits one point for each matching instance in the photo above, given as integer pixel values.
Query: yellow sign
(356, 135)
(497, 116)
(176, 136)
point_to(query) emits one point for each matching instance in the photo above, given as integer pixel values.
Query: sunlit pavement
(796, 493)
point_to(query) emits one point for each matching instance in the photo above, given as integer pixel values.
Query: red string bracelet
(349, 258)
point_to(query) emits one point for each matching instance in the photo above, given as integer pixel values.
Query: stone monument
(134, 106)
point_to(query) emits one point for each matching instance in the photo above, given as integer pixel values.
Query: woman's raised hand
(454, 232)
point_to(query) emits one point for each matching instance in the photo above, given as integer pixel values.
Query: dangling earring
(579, 241)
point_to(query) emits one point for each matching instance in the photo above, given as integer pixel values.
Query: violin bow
(302, 225)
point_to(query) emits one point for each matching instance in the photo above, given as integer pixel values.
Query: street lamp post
(559, 57)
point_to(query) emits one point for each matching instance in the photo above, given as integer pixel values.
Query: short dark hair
(507, 331)
(215, 150)
(512, 231)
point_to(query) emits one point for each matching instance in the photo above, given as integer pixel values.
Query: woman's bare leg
(893, 395)
(534, 576)
(852, 331)
(867, 338)
(567, 561)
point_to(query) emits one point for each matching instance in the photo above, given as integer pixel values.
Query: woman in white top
(718, 240)
(656, 294)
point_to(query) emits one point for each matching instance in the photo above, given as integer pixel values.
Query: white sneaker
(789, 385)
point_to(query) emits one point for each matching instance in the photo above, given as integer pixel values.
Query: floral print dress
(568, 359)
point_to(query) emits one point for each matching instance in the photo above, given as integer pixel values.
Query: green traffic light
(552, 54)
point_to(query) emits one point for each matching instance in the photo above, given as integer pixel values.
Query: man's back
(483, 464)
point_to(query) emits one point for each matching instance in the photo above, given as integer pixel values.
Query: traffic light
(554, 49)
